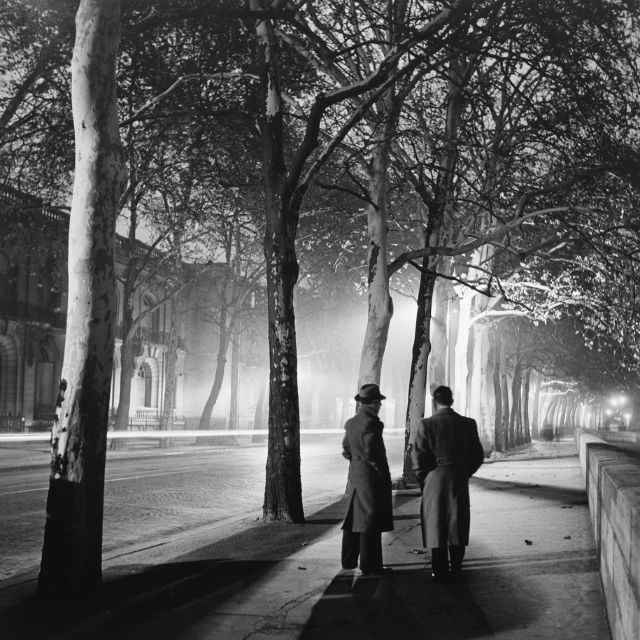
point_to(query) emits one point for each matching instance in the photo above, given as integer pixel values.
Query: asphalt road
(151, 495)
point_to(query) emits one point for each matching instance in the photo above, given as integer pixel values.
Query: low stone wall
(613, 487)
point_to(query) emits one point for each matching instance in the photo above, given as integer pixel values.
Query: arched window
(144, 372)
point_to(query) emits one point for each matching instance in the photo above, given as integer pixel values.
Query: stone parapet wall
(612, 476)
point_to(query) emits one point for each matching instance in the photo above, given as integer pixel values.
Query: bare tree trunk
(380, 305)
(127, 371)
(547, 422)
(436, 365)
(72, 550)
(129, 349)
(283, 486)
(502, 408)
(169, 402)
(234, 380)
(535, 406)
(515, 423)
(221, 363)
(526, 392)
(283, 490)
(419, 359)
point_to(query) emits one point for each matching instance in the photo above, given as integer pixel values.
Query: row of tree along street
(479, 156)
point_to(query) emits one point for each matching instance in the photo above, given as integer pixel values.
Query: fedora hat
(369, 393)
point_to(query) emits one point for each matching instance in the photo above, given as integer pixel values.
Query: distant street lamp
(618, 418)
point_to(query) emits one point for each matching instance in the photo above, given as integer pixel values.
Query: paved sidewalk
(530, 573)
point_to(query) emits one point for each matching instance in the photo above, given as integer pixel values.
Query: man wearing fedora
(370, 510)
(445, 452)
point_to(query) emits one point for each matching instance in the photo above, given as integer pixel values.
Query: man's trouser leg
(456, 553)
(350, 549)
(371, 552)
(439, 562)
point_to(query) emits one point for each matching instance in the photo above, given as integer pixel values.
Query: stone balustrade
(611, 466)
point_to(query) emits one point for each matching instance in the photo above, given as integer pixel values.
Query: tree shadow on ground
(132, 596)
(497, 595)
(552, 493)
(403, 605)
(494, 596)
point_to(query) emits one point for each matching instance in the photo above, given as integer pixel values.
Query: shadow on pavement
(497, 595)
(126, 602)
(146, 601)
(534, 490)
(494, 596)
(404, 605)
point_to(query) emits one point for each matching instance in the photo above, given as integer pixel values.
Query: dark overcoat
(446, 451)
(369, 482)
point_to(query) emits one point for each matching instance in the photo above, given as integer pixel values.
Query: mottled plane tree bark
(379, 301)
(283, 488)
(72, 551)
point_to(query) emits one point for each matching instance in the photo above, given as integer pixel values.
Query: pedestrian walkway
(530, 573)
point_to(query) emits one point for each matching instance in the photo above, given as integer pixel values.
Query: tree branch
(157, 19)
(181, 80)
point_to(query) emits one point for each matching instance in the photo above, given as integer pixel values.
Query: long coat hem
(370, 505)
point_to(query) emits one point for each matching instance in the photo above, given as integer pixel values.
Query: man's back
(449, 439)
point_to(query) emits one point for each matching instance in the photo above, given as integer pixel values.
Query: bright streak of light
(176, 433)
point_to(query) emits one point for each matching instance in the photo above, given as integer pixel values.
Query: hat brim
(359, 398)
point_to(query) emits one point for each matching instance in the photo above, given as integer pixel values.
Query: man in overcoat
(446, 451)
(370, 510)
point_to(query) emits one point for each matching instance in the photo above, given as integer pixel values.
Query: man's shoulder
(439, 418)
(469, 421)
(466, 421)
(361, 420)
(426, 422)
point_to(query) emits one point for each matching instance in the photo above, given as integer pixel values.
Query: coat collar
(444, 411)
(363, 408)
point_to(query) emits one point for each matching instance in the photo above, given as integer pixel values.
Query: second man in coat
(445, 453)
(370, 510)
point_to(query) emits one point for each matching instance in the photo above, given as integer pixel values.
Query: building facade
(33, 302)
